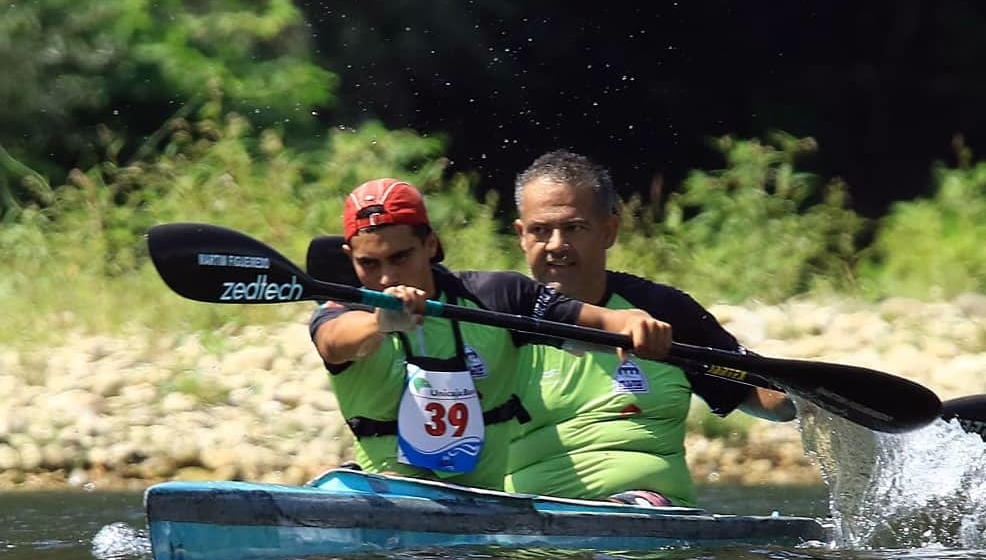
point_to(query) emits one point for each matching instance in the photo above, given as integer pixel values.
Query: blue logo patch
(477, 368)
(629, 379)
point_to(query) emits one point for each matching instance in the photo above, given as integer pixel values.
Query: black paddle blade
(971, 412)
(870, 398)
(220, 265)
(326, 261)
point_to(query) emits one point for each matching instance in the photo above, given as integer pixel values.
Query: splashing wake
(925, 488)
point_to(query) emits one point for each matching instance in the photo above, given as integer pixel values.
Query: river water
(914, 496)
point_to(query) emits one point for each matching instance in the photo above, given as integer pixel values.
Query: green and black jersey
(600, 427)
(369, 390)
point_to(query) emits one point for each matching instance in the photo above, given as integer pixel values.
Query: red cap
(384, 201)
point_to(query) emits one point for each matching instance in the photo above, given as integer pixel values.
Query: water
(918, 496)
(72, 526)
(924, 489)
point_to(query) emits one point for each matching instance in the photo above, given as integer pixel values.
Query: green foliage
(756, 229)
(72, 64)
(82, 258)
(933, 248)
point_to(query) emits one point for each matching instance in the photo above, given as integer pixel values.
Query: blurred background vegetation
(119, 114)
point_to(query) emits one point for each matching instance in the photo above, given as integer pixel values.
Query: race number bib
(440, 421)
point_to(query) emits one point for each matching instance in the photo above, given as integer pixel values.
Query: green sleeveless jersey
(600, 427)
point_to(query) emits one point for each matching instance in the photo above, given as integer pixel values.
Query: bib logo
(261, 290)
(477, 368)
(629, 379)
(420, 383)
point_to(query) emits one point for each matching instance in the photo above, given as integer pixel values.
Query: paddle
(970, 411)
(219, 265)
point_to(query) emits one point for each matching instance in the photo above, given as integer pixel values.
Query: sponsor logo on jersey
(545, 297)
(475, 363)
(262, 290)
(629, 378)
(630, 410)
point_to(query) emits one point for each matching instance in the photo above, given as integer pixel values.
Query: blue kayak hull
(345, 511)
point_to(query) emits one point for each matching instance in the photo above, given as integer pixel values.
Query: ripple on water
(118, 541)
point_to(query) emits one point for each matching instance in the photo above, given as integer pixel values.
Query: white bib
(440, 421)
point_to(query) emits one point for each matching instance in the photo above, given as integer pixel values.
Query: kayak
(345, 511)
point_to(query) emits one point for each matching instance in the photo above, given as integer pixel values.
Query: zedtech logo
(261, 290)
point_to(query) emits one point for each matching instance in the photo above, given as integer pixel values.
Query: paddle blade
(220, 265)
(326, 261)
(871, 398)
(971, 412)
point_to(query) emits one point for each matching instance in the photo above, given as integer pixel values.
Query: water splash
(119, 541)
(926, 488)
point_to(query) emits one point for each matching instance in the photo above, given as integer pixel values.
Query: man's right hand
(390, 320)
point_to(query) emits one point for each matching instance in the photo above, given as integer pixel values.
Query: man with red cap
(425, 396)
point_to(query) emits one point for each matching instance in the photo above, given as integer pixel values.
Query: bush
(756, 229)
(69, 64)
(933, 248)
(81, 260)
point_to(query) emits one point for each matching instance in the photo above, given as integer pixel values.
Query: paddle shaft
(220, 265)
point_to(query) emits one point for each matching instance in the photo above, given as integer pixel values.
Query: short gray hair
(562, 166)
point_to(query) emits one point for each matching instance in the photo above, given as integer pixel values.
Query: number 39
(457, 415)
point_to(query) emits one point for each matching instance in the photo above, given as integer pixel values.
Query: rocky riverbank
(121, 412)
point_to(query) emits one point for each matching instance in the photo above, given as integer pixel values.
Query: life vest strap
(510, 409)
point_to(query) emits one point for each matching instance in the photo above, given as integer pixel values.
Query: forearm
(649, 337)
(348, 337)
(769, 405)
(613, 320)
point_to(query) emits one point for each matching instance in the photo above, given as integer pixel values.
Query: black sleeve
(514, 293)
(702, 329)
(691, 324)
(325, 313)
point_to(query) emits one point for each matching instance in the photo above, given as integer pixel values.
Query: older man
(603, 427)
